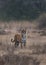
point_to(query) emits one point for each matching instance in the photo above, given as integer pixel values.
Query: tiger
(20, 39)
(17, 40)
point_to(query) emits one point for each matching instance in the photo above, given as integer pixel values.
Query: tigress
(17, 40)
(20, 38)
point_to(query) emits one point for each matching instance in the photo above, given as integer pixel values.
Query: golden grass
(32, 38)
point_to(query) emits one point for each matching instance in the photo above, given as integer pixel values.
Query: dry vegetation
(33, 54)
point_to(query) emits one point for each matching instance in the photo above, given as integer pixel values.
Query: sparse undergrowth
(38, 49)
(18, 60)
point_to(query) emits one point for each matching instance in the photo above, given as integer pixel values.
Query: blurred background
(21, 9)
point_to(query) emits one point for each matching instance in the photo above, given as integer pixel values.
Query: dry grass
(35, 51)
